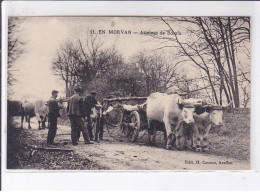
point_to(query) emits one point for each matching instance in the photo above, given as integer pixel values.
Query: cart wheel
(135, 125)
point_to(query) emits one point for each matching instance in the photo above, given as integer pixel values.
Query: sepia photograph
(139, 93)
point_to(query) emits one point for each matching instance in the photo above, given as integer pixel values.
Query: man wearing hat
(52, 115)
(76, 113)
(89, 103)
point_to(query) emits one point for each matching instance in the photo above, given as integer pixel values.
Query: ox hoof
(198, 149)
(169, 147)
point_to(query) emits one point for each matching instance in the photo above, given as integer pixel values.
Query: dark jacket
(89, 103)
(53, 108)
(76, 106)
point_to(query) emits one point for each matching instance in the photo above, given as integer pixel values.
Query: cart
(132, 118)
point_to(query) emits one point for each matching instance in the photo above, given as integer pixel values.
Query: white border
(166, 180)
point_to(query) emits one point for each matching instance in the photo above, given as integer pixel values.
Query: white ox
(28, 113)
(204, 118)
(37, 108)
(169, 110)
(41, 111)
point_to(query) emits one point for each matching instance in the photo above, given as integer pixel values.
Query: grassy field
(232, 140)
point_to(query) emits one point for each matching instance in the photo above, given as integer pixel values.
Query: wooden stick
(124, 99)
(133, 98)
(53, 149)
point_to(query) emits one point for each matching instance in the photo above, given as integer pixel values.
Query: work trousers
(90, 130)
(77, 126)
(52, 129)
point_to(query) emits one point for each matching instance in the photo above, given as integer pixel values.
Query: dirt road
(116, 155)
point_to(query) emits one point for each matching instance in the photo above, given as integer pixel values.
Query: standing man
(89, 103)
(53, 115)
(76, 113)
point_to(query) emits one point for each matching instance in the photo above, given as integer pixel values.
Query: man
(76, 113)
(53, 115)
(89, 103)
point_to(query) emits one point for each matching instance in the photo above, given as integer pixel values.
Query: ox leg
(22, 118)
(165, 138)
(178, 140)
(179, 135)
(185, 142)
(174, 134)
(204, 144)
(150, 128)
(169, 134)
(196, 138)
(39, 125)
(43, 122)
(154, 129)
(29, 122)
(191, 138)
(198, 145)
(205, 147)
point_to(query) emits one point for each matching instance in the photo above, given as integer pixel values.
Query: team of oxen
(185, 122)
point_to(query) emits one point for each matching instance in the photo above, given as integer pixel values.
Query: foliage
(15, 48)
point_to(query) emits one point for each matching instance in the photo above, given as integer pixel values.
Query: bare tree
(213, 44)
(15, 47)
(80, 61)
(158, 71)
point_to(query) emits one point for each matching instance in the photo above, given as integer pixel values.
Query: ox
(28, 113)
(41, 112)
(14, 108)
(204, 117)
(167, 111)
(39, 109)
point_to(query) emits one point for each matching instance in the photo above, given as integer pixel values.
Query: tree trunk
(232, 57)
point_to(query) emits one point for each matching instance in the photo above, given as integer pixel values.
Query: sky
(44, 35)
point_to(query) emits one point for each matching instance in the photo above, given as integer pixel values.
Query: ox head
(216, 113)
(189, 106)
(187, 111)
